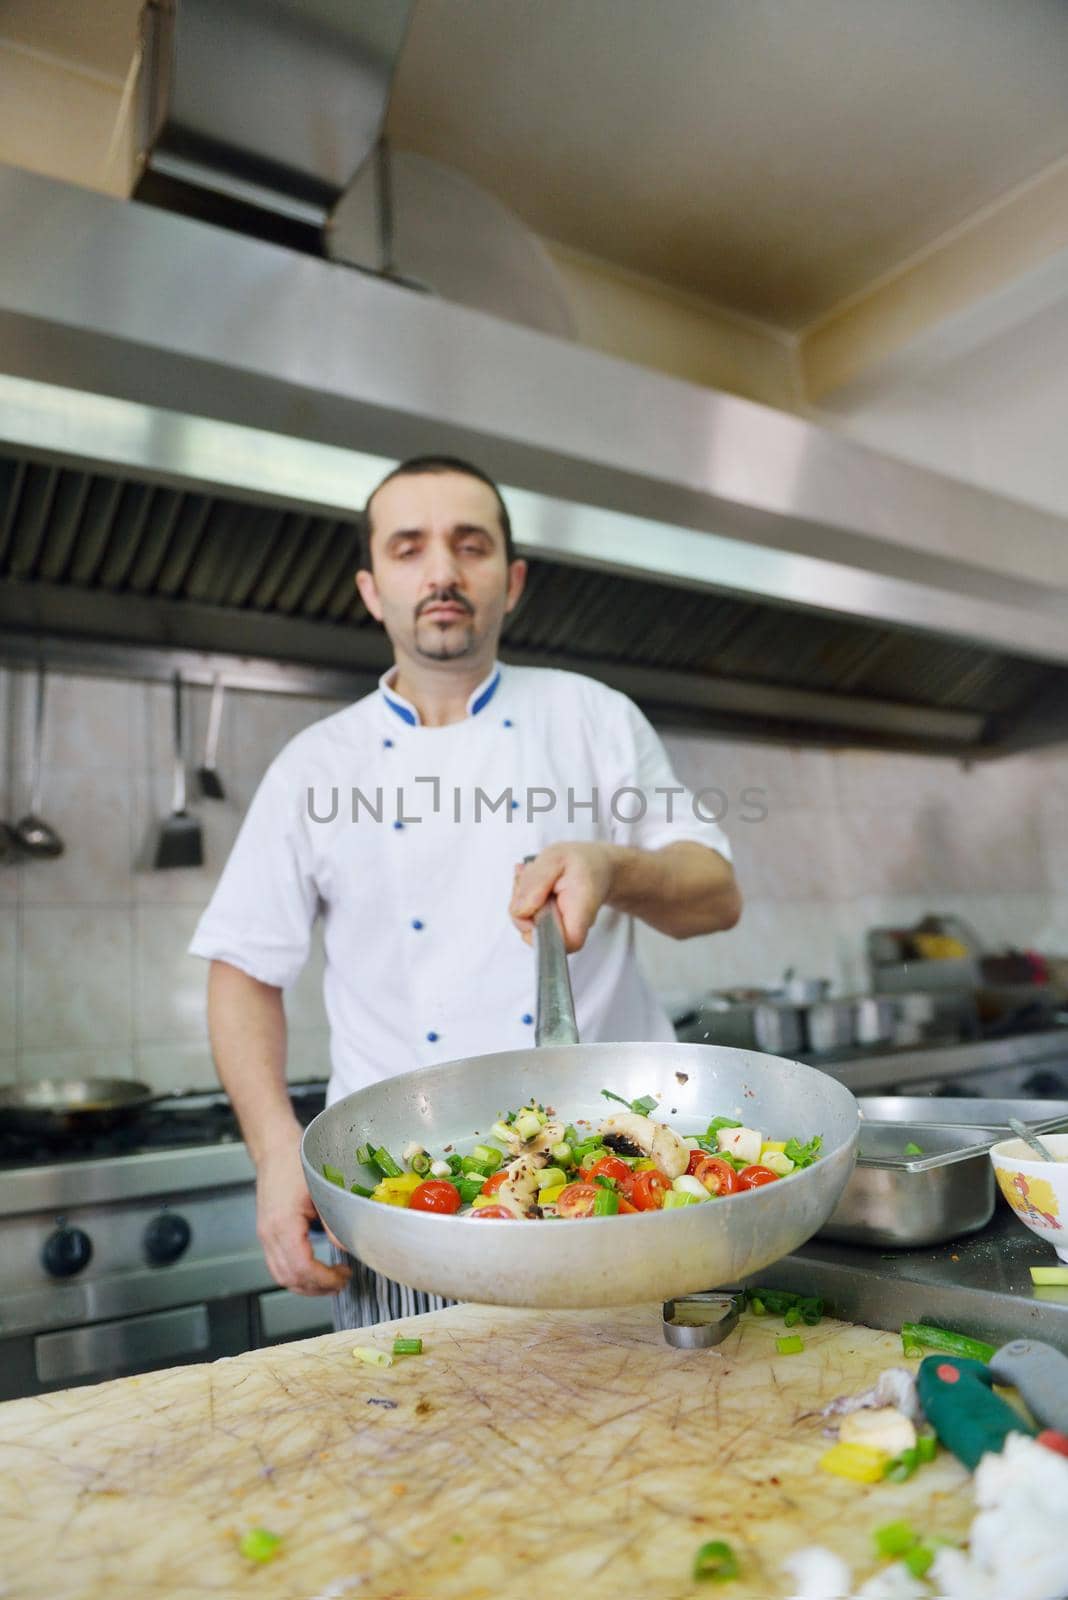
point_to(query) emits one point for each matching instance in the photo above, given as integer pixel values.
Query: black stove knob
(66, 1252)
(166, 1238)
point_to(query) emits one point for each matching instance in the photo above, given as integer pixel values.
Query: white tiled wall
(94, 978)
(854, 840)
(93, 972)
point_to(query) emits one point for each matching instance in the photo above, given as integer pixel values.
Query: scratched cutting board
(571, 1450)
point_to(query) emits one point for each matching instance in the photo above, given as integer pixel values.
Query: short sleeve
(261, 916)
(650, 808)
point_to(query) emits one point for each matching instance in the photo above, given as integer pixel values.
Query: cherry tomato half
(648, 1191)
(437, 1195)
(612, 1167)
(494, 1211)
(695, 1157)
(492, 1184)
(716, 1175)
(576, 1200)
(753, 1177)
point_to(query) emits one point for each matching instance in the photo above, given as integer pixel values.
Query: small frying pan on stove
(61, 1109)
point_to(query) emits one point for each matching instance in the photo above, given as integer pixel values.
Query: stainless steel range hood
(190, 421)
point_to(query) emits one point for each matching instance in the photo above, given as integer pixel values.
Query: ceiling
(776, 160)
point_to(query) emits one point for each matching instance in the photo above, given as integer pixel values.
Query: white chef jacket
(385, 829)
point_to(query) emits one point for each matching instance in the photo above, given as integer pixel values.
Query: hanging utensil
(10, 849)
(180, 841)
(207, 776)
(36, 837)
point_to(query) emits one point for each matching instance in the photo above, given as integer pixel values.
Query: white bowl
(1036, 1190)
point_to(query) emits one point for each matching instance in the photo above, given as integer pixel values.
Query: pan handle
(555, 1020)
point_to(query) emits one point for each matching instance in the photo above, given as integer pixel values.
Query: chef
(401, 823)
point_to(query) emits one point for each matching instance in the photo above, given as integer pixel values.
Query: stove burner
(178, 1123)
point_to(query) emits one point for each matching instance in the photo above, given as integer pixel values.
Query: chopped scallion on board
(1048, 1276)
(933, 1338)
(259, 1544)
(373, 1358)
(407, 1347)
(790, 1344)
(716, 1561)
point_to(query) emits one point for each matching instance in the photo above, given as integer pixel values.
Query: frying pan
(55, 1109)
(598, 1261)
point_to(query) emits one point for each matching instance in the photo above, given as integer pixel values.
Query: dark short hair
(417, 467)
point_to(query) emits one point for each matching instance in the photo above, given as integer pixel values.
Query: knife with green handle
(970, 1419)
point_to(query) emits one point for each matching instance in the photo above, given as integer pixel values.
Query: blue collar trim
(479, 700)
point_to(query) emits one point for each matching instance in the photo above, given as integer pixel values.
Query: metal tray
(904, 1202)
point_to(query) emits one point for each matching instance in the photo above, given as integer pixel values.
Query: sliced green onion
(913, 1149)
(1050, 1275)
(469, 1188)
(372, 1358)
(440, 1169)
(901, 1468)
(792, 1316)
(527, 1125)
(456, 1164)
(365, 1155)
(645, 1106)
(259, 1544)
(549, 1177)
(606, 1203)
(679, 1197)
(386, 1164)
(502, 1131)
(913, 1351)
(926, 1447)
(333, 1175)
(758, 1308)
(790, 1344)
(716, 1561)
(487, 1154)
(361, 1189)
(473, 1164)
(407, 1347)
(893, 1539)
(954, 1344)
(561, 1153)
(918, 1559)
(420, 1164)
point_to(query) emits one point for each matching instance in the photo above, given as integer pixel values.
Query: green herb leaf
(803, 1155)
(913, 1149)
(720, 1122)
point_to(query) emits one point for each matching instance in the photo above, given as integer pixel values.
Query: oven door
(63, 1357)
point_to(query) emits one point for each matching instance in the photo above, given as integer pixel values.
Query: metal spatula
(180, 841)
(208, 776)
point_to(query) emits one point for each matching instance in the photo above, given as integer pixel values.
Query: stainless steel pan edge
(602, 1261)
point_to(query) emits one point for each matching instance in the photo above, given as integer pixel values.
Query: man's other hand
(284, 1210)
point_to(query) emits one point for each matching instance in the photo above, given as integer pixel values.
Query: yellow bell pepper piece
(772, 1145)
(644, 1165)
(860, 1462)
(549, 1197)
(481, 1200)
(397, 1191)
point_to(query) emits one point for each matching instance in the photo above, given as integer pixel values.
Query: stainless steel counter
(979, 1286)
(875, 1070)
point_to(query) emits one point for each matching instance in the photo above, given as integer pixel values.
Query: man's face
(441, 584)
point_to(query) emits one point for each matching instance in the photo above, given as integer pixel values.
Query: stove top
(181, 1122)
